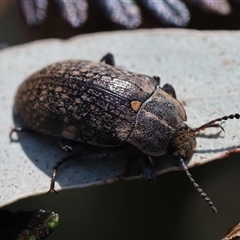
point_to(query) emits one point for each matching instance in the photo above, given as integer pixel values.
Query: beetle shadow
(211, 135)
(42, 150)
(45, 151)
(216, 150)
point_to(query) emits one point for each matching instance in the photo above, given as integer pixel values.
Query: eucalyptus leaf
(203, 67)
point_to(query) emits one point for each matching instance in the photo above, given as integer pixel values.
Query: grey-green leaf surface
(202, 66)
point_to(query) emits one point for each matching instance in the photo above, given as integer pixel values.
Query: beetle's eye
(184, 126)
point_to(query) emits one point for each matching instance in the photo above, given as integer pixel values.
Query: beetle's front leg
(108, 59)
(148, 168)
(158, 80)
(168, 88)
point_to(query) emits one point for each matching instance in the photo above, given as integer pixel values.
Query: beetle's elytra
(98, 104)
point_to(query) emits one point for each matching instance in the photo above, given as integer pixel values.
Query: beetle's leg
(68, 145)
(106, 153)
(54, 172)
(148, 168)
(108, 59)
(158, 80)
(170, 90)
(18, 129)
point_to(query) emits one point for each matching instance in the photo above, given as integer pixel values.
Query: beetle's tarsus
(108, 59)
(52, 188)
(54, 173)
(67, 148)
(53, 180)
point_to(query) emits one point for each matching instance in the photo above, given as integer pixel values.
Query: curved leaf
(202, 66)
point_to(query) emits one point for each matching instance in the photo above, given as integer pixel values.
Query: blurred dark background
(168, 209)
(14, 31)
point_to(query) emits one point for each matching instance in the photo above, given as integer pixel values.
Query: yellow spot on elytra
(135, 105)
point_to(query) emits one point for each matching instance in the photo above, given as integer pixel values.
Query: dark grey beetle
(98, 104)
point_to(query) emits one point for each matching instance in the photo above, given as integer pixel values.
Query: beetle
(98, 104)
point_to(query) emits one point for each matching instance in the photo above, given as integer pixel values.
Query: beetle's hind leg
(108, 59)
(54, 172)
(148, 168)
(104, 153)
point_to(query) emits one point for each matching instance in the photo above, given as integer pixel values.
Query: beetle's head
(183, 143)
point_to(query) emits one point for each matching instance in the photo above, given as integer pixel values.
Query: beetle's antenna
(201, 192)
(213, 124)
